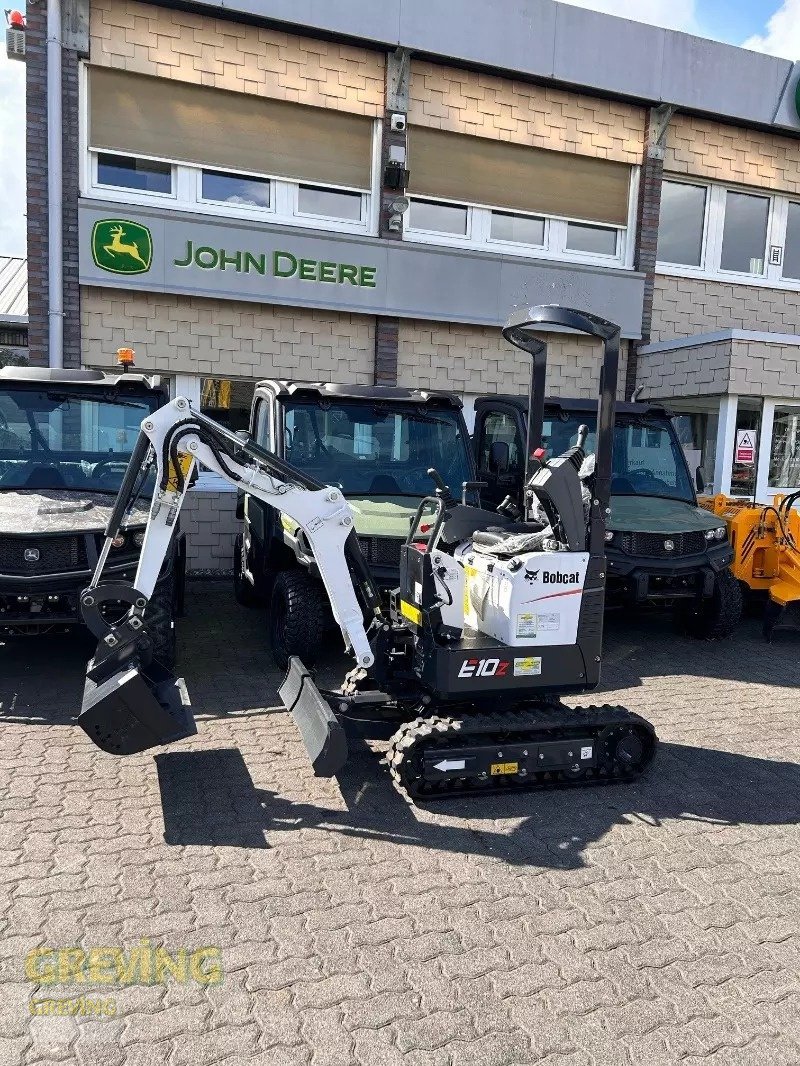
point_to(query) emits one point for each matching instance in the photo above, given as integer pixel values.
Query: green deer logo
(122, 247)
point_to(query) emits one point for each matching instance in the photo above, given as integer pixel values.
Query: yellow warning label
(412, 613)
(497, 768)
(185, 460)
(469, 572)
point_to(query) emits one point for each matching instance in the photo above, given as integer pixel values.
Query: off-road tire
(243, 591)
(721, 613)
(159, 620)
(297, 617)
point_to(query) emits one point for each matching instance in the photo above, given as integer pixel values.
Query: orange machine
(766, 545)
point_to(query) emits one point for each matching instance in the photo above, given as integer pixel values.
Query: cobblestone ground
(649, 924)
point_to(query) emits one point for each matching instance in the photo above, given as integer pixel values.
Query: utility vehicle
(66, 437)
(376, 444)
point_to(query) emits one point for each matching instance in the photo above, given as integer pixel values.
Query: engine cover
(533, 598)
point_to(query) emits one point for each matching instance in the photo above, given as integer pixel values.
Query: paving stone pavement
(654, 923)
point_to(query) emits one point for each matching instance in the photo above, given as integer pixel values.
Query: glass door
(784, 457)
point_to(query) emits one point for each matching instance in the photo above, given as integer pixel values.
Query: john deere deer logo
(122, 247)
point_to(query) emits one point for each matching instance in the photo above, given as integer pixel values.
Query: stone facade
(683, 307)
(704, 148)
(737, 366)
(463, 101)
(210, 523)
(476, 359)
(190, 335)
(174, 44)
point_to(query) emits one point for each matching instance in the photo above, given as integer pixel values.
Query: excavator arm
(131, 702)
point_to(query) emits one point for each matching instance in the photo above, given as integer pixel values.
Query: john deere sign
(184, 253)
(122, 247)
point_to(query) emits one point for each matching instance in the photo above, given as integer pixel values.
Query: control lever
(442, 491)
(471, 486)
(509, 509)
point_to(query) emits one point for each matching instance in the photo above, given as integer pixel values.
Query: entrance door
(745, 448)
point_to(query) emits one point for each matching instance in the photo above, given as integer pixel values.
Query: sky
(771, 26)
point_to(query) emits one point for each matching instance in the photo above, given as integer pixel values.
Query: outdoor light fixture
(125, 358)
(397, 208)
(15, 34)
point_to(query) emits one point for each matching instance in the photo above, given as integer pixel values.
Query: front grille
(381, 551)
(654, 545)
(56, 555)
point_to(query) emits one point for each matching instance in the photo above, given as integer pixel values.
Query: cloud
(782, 37)
(12, 157)
(673, 14)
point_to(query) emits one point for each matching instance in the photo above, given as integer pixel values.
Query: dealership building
(361, 192)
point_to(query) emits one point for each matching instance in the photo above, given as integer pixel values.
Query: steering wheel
(645, 476)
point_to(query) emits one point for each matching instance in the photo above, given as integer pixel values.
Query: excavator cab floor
(135, 709)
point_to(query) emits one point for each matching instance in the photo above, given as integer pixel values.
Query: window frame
(713, 232)
(186, 194)
(478, 235)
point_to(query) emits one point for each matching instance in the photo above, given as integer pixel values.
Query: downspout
(55, 256)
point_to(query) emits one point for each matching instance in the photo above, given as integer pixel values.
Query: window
(227, 402)
(235, 189)
(791, 253)
(745, 233)
(784, 459)
(596, 240)
(127, 172)
(501, 428)
(680, 225)
(331, 203)
(438, 218)
(262, 424)
(521, 229)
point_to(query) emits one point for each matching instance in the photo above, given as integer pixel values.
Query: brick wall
(708, 149)
(191, 335)
(683, 307)
(739, 367)
(210, 523)
(464, 101)
(228, 55)
(476, 359)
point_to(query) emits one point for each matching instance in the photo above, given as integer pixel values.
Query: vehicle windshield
(59, 438)
(375, 449)
(648, 459)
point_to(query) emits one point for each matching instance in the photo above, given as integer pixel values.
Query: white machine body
(532, 598)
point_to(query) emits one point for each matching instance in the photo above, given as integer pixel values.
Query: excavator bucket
(135, 708)
(322, 734)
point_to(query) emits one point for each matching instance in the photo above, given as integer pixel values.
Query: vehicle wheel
(159, 618)
(242, 589)
(718, 616)
(297, 617)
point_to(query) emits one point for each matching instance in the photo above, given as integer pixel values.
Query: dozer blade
(136, 708)
(322, 734)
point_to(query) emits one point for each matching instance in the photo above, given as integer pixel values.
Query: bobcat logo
(531, 575)
(122, 247)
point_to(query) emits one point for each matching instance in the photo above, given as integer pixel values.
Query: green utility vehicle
(66, 437)
(376, 443)
(661, 547)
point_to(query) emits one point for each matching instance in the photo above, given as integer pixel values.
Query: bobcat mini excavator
(497, 615)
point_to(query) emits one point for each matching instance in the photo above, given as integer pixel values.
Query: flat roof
(549, 41)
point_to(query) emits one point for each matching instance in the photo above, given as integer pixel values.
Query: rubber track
(529, 725)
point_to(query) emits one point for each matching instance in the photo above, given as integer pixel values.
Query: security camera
(398, 123)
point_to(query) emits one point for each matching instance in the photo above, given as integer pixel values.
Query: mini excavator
(766, 553)
(498, 614)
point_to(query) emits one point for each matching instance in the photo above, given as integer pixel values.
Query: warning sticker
(530, 666)
(497, 768)
(527, 624)
(549, 622)
(586, 753)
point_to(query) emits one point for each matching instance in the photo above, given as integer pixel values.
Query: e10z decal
(484, 668)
